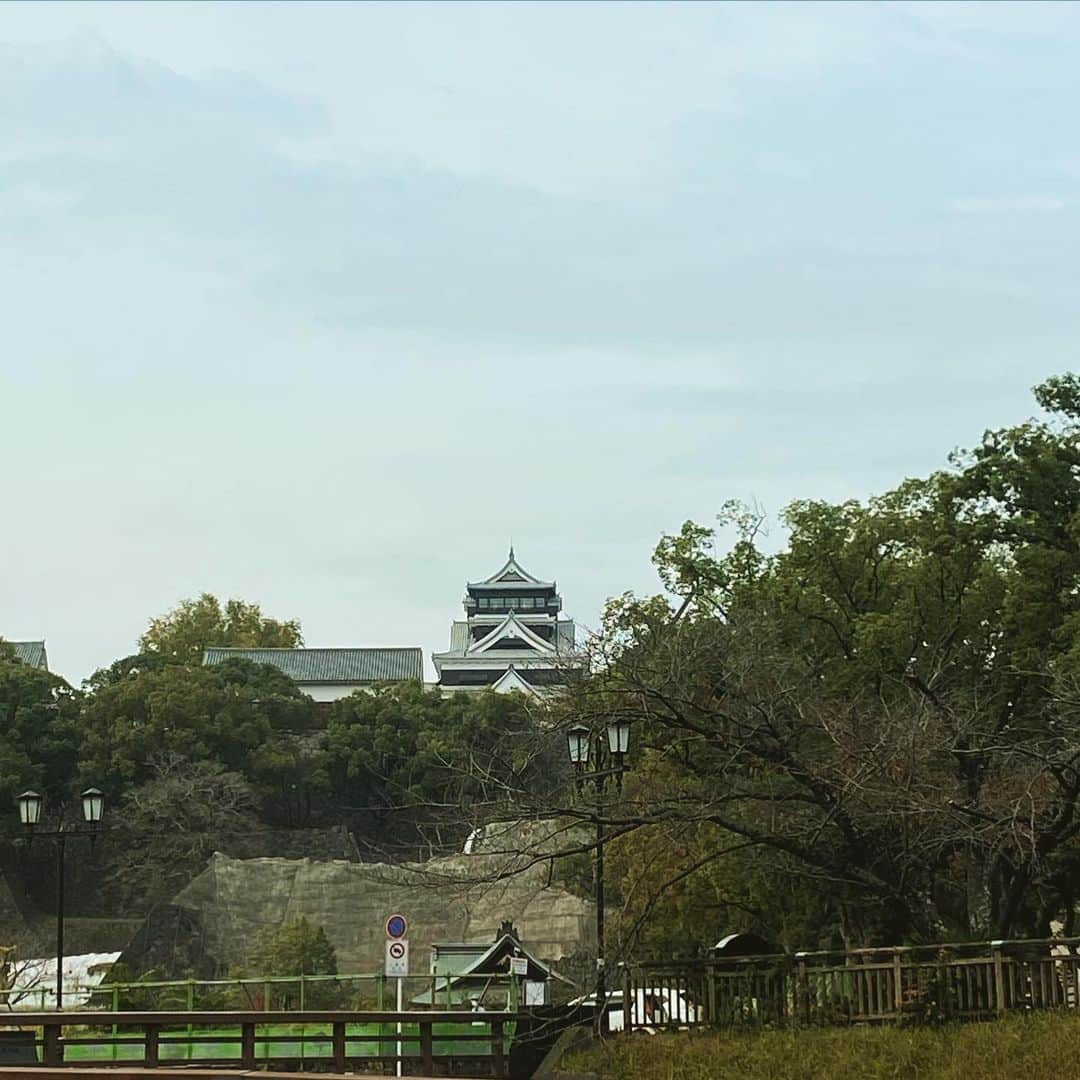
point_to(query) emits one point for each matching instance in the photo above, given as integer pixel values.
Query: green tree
(39, 731)
(295, 948)
(127, 667)
(679, 885)
(223, 714)
(194, 625)
(417, 769)
(290, 773)
(889, 706)
(166, 828)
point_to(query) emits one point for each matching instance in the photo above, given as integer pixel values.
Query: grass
(1024, 1047)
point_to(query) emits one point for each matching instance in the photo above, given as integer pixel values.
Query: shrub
(293, 949)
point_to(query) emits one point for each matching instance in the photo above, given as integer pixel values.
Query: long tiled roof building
(329, 674)
(31, 652)
(512, 636)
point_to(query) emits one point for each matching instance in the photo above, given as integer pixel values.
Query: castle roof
(510, 627)
(331, 665)
(511, 575)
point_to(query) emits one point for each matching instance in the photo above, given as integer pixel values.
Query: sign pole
(399, 983)
(397, 967)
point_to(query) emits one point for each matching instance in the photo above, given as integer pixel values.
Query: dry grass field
(1018, 1048)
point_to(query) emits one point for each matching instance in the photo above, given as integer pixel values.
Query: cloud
(279, 279)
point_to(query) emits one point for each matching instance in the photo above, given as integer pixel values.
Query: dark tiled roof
(32, 653)
(331, 665)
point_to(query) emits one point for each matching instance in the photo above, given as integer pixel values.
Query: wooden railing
(243, 1040)
(951, 981)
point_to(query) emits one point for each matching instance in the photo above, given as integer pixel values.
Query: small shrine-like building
(512, 636)
(482, 975)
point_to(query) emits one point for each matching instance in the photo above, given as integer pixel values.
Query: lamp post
(30, 805)
(607, 752)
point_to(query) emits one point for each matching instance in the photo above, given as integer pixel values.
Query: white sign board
(519, 965)
(397, 959)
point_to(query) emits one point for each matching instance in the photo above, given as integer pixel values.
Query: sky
(322, 306)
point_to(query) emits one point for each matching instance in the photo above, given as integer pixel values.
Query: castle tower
(511, 638)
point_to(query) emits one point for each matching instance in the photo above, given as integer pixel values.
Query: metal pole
(60, 919)
(399, 983)
(601, 996)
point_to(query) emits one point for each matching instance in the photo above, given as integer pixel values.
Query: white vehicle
(653, 1008)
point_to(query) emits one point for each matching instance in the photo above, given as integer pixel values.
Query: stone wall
(457, 898)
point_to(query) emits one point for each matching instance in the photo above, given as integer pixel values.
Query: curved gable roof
(512, 679)
(511, 626)
(511, 575)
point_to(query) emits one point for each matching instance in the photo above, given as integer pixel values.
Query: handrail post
(498, 1064)
(150, 1053)
(898, 985)
(710, 993)
(190, 1009)
(338, 1033)
(943, 985)
(303, 1027)
(247, 1045)
(627, 999)
(803, 1006)
(999, 975)
(427, 1049)
(52, 1048)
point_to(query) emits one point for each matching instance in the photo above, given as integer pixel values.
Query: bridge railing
(364, 991)
(433, 1040)
(948, 981)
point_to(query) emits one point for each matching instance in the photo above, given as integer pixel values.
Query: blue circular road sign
(397, 926)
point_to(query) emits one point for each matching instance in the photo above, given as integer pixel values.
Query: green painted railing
(450, 1040)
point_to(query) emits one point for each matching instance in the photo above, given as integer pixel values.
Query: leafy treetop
(194, 625)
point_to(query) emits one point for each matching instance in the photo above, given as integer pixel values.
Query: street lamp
(618, 735)
(577, 743)
(607, 751)
(93, 805)
(30, 804)
(29, 808)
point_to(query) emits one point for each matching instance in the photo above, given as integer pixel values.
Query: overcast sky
(321, 306)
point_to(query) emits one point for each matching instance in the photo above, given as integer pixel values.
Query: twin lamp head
(31, 803)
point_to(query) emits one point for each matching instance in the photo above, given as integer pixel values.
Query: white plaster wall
(331, 691)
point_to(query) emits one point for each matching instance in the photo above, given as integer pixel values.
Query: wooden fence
(940, 982)
(427, 1042)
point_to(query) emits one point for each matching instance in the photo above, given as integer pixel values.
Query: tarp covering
(33, 982)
